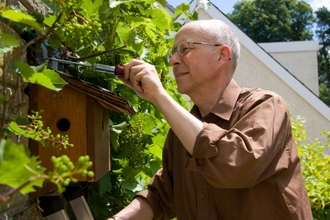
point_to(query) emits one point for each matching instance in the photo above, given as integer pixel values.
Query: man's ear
(224, 53)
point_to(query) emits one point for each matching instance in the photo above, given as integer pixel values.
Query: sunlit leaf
(7, 43)
(114, 3)
(135, 180)
(13, 127)
(21, 17)
(161, 19)
(18, 169)
(47, 77)
(182, 8)
(92, 7)
(49, 21)
(156, 150)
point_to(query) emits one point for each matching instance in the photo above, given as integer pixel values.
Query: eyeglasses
(183, 48)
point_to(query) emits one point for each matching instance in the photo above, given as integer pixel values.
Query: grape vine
(110, 33)
(132, 140)
(79, 32)
(64, 170)
(34, 130)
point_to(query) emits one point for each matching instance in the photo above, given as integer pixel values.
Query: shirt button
(202, 196)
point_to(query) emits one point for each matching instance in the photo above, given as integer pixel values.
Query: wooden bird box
(81, 111)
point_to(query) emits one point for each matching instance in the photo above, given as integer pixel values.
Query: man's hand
(143, 79)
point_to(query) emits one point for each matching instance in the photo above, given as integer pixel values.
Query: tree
(274, 21)
(323, 35)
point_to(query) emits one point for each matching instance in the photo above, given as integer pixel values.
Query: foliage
(18, 169)
(22, 172)
(8, 43)
(274, 21)
(325, 93)
(33, 129)
(109, 32)
(323, 35)
(315, 169)
(113, 32)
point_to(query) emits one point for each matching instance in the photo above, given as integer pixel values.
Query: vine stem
(96, 54)
(44, 37)
(4, 106)
(42, 136)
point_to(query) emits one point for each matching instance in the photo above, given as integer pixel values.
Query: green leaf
(114, 3)
(155, 165)
(47, 78)
(182, 8)
(13, 127)
(140, 184)
(156, 150)
(55, 78)
(124, 32)
(22, 18)
(7, 43)
(161, 19)
(92, 7)
(105, 184)
(150, 124)
(49, 21)
(134, 179)
(17, 168)
(162, 2)
(134, 21)
(33, 164)
(114, 139)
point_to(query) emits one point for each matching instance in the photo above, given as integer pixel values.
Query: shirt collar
(225, 106)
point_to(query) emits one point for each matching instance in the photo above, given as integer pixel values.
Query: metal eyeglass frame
(178, 48)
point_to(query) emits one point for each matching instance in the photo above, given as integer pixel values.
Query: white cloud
(316, 4)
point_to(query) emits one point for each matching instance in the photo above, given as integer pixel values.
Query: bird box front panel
(64, 112)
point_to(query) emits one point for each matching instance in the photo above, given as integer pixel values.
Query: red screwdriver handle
(119, 70)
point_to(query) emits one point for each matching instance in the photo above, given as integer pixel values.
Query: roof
(106, 98)
(296, 46)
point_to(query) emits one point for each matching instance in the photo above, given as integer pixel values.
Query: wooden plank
(98, 141)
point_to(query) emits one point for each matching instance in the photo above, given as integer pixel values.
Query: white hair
(221, 33)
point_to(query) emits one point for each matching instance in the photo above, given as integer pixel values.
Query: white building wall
(251, 73)
(299, 58)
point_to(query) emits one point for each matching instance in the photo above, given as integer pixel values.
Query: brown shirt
(245, 165)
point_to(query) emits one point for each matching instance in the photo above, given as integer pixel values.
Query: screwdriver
(116, 70)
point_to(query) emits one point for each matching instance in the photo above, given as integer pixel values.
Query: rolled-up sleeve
(251, 150)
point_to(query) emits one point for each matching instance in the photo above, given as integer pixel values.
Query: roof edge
(295, 46)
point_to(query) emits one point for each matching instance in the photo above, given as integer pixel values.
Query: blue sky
(226, 6)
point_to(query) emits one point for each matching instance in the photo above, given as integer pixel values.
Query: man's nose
(175, 59)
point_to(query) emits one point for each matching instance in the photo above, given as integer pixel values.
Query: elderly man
(233, 155)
